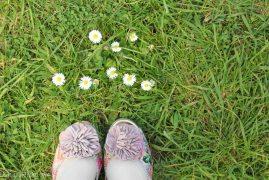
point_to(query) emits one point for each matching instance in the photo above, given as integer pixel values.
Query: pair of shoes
(127, 154)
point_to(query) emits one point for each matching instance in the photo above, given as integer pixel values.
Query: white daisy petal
(133, 37)
(152, 82)
(85, 83)
(112, 73)
(129, 79)
(115, 47)
(95, 36)
(58, 79)
(147, 85)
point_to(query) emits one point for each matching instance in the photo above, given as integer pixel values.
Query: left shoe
(78, 153)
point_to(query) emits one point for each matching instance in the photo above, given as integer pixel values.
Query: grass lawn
(207, 116)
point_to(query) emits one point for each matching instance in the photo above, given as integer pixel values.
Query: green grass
(207, 117)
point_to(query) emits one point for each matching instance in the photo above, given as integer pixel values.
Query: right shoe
(127, 153)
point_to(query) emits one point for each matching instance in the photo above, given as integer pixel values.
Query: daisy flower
(147, 85)
(85, 82)
(129, 79)
(112, 73)
(133, 37)
(58, 79)
(106, 48)
(95, 36)
(151, 47)
(95, 82)
(115, 47)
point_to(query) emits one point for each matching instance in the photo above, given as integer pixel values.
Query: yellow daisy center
(129, 78)
(132, 36)
(113, 73)
(85, 83)
(95, 36)
(58, 79)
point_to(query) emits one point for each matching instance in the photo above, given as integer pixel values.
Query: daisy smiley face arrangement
(86, 82)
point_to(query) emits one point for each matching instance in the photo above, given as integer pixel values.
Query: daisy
(85, 82)
(129, 79)
(112, 73)
(147, 85)
(115, 47)
(95, 82)
(151, 47)
(133, 37)
(106, 48)
(95, 36)
(58, 79)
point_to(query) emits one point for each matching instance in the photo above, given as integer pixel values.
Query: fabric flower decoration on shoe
(124, 142)
(79, 140)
